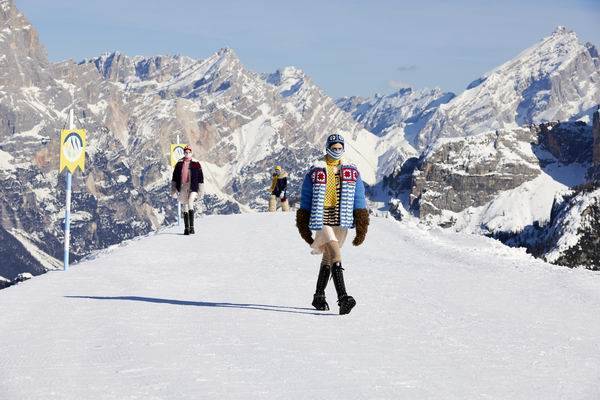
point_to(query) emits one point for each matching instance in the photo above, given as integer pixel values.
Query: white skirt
(186, 196)
(326, 235)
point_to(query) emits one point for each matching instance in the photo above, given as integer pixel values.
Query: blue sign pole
(178, 203)
(68, 207)
(67, 221)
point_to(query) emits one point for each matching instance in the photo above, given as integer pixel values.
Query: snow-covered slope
(528, 204)
(439, 315)
(556, 79)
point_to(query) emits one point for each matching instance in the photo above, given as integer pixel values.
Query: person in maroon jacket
(187, 184)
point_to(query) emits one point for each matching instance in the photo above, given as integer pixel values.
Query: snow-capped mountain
(491, 164)
(407, 110)
(239, 123)
(556, 79)
(115, 199)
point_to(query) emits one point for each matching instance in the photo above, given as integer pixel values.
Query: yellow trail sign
(72, 149)
(177, 152)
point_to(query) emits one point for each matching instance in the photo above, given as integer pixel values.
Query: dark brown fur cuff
(302, 221)
(361, 221)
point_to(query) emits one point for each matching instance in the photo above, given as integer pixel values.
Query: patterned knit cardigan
(313, 194)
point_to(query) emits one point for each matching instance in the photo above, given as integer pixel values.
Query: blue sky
(348, 47)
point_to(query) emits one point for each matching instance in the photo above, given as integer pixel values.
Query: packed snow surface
(226, 314)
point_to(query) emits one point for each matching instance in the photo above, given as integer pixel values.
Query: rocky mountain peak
(561, 30)
(226, 52)
(556, 79)
(108, 64)
(7, 10)
(14, 25)
(288, 80)
(225, 58)
(400, 92)
(23, 58)
(405, 108)
(285, 75)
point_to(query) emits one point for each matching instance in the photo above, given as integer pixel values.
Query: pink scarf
(185, 171)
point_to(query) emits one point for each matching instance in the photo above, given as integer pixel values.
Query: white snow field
(225, 314)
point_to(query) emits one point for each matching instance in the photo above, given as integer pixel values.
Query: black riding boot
(345, 301)
(192, 222)
(186, 223)
(319, 301)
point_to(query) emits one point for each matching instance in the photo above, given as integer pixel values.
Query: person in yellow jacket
(278, 190)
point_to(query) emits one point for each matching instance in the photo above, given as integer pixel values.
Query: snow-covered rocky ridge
(570, 235)
(459, 174)
(556, 79)
(237, 117)
(439, 315)
(407, 110)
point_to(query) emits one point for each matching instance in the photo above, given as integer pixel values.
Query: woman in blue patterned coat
(332, 201)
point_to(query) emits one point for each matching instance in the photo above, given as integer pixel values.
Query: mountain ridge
(240, 123)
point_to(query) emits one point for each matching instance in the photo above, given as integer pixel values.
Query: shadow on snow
(262, 307)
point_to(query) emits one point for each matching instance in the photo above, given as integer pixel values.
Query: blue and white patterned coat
(352, 196)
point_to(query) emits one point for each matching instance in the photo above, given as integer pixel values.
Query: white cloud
(396, 84)
(404, 68)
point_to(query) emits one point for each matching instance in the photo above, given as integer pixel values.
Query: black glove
(302, 221)
(361, 221)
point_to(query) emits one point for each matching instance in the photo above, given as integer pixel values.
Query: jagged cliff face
(557, 79)
(122, 192)
(596, 135)
(500, 182)
(571, 236)
(22, 59)
(468, 172)
(492, 138)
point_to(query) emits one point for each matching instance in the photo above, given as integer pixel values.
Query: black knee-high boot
(319, 301)
(345, 301)
(192, 222)
(186, 223)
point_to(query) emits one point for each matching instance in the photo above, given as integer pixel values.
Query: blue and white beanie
(333, 139)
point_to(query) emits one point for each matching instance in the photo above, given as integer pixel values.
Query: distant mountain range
(242, 123)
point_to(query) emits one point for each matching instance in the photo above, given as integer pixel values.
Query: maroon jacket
(196, 176)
